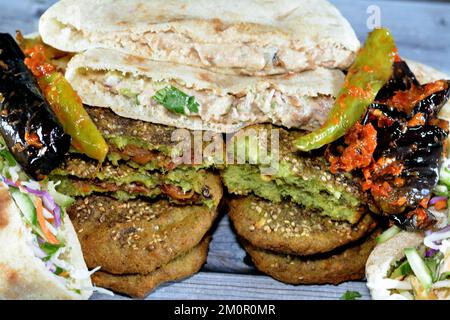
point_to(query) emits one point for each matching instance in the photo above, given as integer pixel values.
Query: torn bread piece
(198, 99)
(249, 37)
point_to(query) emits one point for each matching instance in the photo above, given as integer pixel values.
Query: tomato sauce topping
(406, 100)
(36, 61)
(361, 143)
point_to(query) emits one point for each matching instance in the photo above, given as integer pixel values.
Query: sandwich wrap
(246, 37)
(198, 99)
(23, 275)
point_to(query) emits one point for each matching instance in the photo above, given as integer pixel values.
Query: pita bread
(381, 260)
(105, 78)
(253, 37)
(24, 276)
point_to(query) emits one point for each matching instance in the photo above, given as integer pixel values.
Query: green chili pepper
(75, 120)
(64, 101)
(368, 74)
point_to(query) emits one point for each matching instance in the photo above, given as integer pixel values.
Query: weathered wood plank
(225, 254)
(221, 286)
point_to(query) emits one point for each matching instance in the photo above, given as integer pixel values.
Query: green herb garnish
(8, 157)
(402, 270)
(176, 100)
(444, 276)
(50, 249)
(351, 295)
(130, 94)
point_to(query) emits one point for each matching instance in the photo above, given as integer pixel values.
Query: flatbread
(140, 286)
(24, 276)
(383, 257)
(248, 36)
(127, 85)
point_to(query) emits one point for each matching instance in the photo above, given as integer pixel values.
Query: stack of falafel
(299, 223)
(141, 216)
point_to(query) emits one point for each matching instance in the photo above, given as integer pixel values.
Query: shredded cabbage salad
(43, 210)
(442, 190)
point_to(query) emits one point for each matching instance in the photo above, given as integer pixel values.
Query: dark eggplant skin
(402, 79)
(418, 219)
(409, 151)
(418, 148)
(24, 112)
(432, 105)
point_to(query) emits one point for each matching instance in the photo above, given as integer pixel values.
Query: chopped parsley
(351, 295)
(130, 94)
(176, 100)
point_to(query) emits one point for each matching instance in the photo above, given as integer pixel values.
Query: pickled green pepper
(371, 70)
(66, 104)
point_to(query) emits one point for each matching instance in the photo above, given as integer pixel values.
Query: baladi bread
(127, 85)
(247, 37)
(381, 260)
(23, 276)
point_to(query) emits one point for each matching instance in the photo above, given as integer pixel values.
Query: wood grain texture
(222, 286)
(422, 32)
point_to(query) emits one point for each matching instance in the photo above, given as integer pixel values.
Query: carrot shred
(440, 205)
(41, 219)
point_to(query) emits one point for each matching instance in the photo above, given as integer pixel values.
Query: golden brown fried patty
(140, 286)
(288, 228)
(137, 236)
(341, 265)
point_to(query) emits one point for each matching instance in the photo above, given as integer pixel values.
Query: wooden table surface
(422, 32)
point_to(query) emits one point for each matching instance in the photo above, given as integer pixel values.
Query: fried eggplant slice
(29, 127)
(403, 168)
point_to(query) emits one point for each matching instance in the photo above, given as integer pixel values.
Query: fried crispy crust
(137, 236)
(339, 266)
(287, 228)
(140, 286)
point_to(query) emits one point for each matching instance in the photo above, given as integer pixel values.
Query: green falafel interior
(301, 178)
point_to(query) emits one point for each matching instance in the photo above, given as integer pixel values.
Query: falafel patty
(291, 229)
(149, 145)
(139, 286)
(275, 171)
(137, 236)
(84, 177)
(344, 264)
